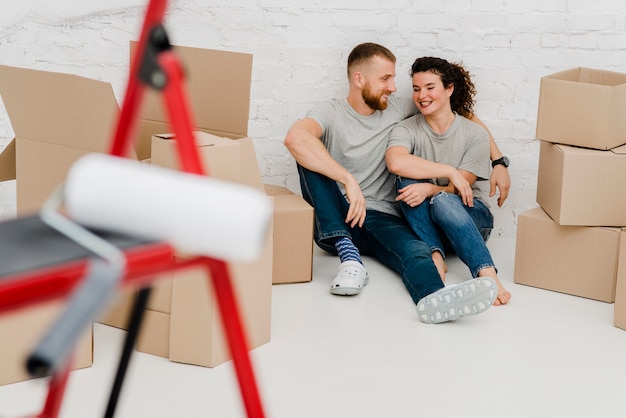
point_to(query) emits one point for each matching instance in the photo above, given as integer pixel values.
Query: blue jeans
(444, 222)
(384, 236)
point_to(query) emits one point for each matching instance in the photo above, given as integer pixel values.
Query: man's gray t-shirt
(465, 145)
(359, 142)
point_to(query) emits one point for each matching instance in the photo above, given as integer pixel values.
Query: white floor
(544, 355)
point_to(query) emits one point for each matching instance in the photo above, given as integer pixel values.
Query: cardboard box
(579, 186)
(20, 330)
(619, 308)
(293, 236)
(565, 116)
(576, 260)
(195, 329)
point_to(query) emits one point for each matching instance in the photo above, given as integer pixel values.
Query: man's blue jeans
(384, 236)
(443, 222)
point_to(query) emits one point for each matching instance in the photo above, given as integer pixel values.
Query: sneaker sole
(451, 303)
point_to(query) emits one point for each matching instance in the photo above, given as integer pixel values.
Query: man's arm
(304, 143)
(500, 178)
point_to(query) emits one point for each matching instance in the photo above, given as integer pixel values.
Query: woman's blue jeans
(384, 236)
(443, 222)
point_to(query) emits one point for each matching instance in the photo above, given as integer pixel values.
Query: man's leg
(391, 241)
(389, 238)
(331, 232)
(419, 219)
(467, 230)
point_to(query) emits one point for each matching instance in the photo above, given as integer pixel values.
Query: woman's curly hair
(462, 99)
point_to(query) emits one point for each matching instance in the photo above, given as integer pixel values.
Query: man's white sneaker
(350, 279)
(453, 302)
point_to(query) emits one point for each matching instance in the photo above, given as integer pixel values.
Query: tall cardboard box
(22, 329)
(579, 186)
(193, 321)
(565, 116)
(293, 236)
(576, 260)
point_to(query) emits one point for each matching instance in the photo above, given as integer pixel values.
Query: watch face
(505, 161)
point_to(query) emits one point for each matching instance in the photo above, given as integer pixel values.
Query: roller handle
(84, 306)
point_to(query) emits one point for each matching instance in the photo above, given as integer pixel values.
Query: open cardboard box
(581, 186)
(57, 118)
(565, 117)
(577, 260)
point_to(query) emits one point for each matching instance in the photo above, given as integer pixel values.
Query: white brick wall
(300, 51)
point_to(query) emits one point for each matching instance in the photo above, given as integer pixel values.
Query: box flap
(218, 88)
(273, 190)
(58, 108)
(7, 162)
(221, 157)
(572, 74)
(601, 77)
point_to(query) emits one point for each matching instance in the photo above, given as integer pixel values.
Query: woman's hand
(414, 194)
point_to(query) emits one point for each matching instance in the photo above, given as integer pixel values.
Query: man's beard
(374, 101)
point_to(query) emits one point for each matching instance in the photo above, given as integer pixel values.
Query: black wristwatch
(502, 160)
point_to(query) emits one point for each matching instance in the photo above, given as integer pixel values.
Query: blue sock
(347, 250)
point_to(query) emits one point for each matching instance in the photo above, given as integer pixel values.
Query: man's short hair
(366, 51)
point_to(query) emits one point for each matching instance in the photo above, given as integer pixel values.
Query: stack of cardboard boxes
(575, 241)
(59, 117)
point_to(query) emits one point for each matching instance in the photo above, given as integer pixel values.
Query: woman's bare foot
(503, 295)
(440, 263)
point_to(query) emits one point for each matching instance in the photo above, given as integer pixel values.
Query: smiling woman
(438, 156)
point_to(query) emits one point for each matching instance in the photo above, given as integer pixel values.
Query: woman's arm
(500, 178)
(402, 163)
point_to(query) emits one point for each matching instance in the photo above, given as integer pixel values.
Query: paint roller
(196, 214)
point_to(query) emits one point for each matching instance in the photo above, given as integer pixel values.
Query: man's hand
(357, 209)
(500, 180)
